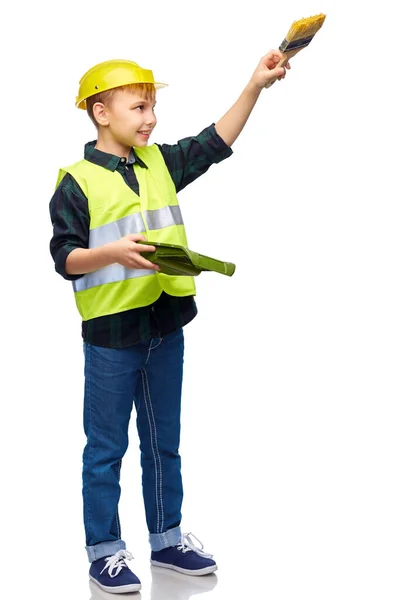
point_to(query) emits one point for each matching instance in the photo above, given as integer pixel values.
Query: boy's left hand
(267, 72)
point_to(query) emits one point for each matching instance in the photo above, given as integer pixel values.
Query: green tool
(178, 260)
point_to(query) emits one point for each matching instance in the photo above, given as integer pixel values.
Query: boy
(133, 315)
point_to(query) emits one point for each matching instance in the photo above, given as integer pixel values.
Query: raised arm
(266, 73)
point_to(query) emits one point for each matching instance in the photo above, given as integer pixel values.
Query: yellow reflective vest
(115, 211)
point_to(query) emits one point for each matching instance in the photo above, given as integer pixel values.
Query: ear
(100, 114)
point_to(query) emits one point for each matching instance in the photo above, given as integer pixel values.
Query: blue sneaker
(185, 557)
(113, 575)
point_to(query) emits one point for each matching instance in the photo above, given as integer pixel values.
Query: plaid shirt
(185, 161)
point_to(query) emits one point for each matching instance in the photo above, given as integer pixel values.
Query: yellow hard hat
(111, 74)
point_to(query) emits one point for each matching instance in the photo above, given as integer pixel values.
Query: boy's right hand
(126, 252)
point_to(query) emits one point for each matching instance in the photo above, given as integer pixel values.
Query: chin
(140, 143)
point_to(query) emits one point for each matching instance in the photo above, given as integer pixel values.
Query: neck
(107, 144)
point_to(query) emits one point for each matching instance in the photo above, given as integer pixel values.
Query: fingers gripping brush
(299, 36)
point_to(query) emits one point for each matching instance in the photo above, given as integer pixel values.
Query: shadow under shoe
(98, 594)
(167, 584)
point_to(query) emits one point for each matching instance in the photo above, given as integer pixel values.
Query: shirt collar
(109, 161)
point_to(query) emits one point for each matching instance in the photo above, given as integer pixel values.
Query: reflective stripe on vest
(156, 219)
(116, 211)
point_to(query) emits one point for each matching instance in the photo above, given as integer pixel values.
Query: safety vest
(115, 211)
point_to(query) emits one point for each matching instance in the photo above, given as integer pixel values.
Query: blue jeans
(150, 375)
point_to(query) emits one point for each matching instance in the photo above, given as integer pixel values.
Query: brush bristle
(305, 28)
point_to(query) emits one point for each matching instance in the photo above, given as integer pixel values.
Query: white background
(290, 443)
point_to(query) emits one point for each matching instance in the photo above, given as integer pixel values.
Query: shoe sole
(197, 572)
(122, 589)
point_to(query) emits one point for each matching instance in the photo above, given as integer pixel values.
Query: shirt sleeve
(69, 214)
(193, 156)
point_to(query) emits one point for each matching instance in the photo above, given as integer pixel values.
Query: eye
(140, 107)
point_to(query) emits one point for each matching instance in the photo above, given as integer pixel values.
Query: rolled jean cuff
(104, 549)
(159, 541)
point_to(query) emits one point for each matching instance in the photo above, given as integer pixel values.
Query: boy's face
(130, 118)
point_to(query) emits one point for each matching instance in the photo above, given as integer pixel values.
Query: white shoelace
(117, 562)
(186, 544)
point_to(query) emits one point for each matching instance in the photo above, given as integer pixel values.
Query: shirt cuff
(60, 260)
(213, 145)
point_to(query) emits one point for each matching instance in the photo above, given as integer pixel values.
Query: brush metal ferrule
(295, 44)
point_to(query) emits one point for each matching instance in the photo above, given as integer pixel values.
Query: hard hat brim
(81, 102)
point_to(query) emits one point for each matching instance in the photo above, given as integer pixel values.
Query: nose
(151, 119)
